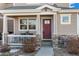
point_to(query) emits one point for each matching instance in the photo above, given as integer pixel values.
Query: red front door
(46, 28)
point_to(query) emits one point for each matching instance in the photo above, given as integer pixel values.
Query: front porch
(19, 33)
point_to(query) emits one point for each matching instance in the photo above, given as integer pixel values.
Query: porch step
(46, 43)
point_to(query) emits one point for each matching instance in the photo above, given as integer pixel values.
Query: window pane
(23, 26)
(32, 21)
(32, 27)
(32, 24)
(65, 19)
(47, 22)
(23, 21)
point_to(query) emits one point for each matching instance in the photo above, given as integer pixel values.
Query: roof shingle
(32, 7)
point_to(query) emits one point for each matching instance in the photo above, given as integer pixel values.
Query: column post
(4, 36)
(38, 24)
(55, 24)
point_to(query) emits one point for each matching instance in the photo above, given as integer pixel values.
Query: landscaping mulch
(62, 52)
(67, 44)
(18, 53)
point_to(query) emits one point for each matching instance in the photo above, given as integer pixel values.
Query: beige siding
(68, 28)
(10, 26)
(1, 24)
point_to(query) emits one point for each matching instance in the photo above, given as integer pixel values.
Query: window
(32, 24)
(47, 22)
(23, 24)
(27, 24)
(23, 21)
(65, 19)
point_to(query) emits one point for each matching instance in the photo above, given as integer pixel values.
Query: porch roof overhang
(19, 11)
(26, 12)
(36, 11)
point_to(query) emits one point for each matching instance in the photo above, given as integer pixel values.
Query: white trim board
(77, 23)
(46, 5)
(19, 10)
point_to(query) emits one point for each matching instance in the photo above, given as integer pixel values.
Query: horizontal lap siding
(68, 28)
(10, 26)
(1, 25)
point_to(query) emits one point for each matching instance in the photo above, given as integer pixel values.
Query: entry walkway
(45, 51)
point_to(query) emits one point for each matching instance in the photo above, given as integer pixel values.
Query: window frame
(27, 24)
(22, 24)
(69, 18)
(31, 24)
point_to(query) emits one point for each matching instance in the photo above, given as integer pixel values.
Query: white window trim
(27, 24)
(69, 15)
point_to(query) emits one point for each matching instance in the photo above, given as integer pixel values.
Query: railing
(18, 39)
